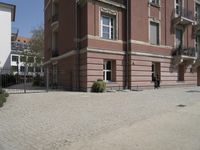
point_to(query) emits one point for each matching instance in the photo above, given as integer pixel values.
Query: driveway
(145, 120)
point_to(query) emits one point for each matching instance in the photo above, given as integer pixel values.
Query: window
(107, 27)
(14, 58)
(178, 7)
(156, 2)
(179, 38)
(22, 69)
(14, 68)
(154, 33)
(30, 69)
(107, 71)
(197, 45)
(197, 13)
(155, 70)
(37, 69)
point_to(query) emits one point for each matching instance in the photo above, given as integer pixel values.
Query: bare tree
(37, 40)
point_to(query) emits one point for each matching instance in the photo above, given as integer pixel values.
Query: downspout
(77, 47)
(127, 46)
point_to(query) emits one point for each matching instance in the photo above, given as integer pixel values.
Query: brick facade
(74, 43)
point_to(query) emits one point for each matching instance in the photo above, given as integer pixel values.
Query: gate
(22, 82)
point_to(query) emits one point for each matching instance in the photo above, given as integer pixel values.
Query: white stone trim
(150, 55)
(65, 55)
(92, 37)
(102, 51)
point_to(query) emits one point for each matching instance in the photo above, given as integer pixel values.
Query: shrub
(99, 86)
(3, 95)
(2, 91)
(2, 99)
(37, 81)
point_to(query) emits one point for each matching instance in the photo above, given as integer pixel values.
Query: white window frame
(178, 6)
(105, 70)
(111, 37)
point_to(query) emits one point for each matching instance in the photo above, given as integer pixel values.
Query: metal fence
(22, 83)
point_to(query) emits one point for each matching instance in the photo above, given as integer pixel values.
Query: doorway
(198, 76)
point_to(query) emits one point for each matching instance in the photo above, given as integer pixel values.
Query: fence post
(25, 69)
(47, 79)
(0, 80)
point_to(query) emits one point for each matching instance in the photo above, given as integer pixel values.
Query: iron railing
(55, 53)
(54, 18)
(184, 51)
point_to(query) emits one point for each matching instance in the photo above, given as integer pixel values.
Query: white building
(34, 66)
(7, 15)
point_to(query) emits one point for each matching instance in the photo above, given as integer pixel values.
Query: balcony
(183, 17)
(55, 53)
(196, 26)
(55, 22)
(182, 54)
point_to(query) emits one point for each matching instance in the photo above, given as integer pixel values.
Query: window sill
(155, 44)
(108, 39)
(155, 5)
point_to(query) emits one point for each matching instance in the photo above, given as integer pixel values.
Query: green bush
(2, 99)
(99, 86)
(37, 81)
(2, 91)
(3, 95)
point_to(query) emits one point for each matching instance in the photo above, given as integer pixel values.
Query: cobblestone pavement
(67, 120)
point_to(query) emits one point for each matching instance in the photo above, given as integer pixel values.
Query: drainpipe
(77, 47)
(127, 46)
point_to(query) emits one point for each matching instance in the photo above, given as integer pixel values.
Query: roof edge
(10, 6)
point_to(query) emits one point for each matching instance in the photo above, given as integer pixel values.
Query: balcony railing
(54, 18)
(55, 53)
(183, 51)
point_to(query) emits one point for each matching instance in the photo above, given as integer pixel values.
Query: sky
(29, 15)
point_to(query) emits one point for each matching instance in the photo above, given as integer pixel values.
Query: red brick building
(124, 42)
